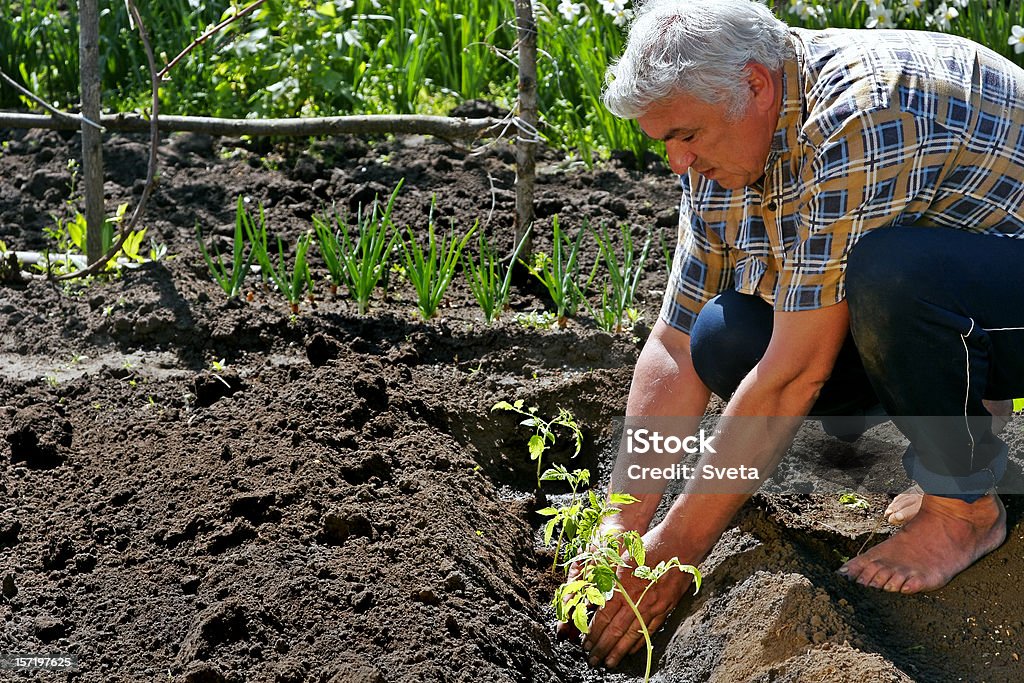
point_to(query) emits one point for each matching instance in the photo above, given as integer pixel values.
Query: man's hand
(614, 630)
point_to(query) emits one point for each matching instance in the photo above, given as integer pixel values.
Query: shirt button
(771, 206)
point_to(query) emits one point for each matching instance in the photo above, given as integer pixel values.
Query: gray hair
(697, 47)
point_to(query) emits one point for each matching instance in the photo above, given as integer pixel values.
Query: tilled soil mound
(202, 490)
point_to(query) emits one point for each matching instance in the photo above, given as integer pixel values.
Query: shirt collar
(791, 109)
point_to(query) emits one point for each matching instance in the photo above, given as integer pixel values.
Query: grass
(618, 291)
(292, 280)
(311, 57)
(561, 274)
(230, 275)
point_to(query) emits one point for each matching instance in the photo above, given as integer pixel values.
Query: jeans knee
(729, 337)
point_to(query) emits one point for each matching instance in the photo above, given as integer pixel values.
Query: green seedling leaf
(536, 447)
(635, 546)
(580, 618)
(853, 500)
(604, 578)
(622, 499)
(502, 405)
(595, 597)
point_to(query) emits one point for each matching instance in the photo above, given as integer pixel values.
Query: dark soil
(334, 500)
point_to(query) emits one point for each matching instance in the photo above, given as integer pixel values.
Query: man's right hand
(614, 629)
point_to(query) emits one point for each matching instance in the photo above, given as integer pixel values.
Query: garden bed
(203, 490)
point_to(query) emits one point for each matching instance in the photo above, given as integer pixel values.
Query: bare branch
(206, 36)
(75, 119)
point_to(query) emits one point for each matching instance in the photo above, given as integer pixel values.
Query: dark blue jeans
(936, 325)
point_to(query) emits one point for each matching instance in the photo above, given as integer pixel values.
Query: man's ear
(761, 82)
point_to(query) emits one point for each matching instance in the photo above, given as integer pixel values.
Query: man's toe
(881, 577)
(895, 582)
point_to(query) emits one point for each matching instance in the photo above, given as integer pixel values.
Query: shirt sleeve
(857, 178)
(700, 268)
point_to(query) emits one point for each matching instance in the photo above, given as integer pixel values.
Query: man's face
(698, 135)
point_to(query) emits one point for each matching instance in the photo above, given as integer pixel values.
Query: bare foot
(905, 505)
(945, 537)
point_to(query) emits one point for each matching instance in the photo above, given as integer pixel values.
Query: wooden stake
(526, 140)
(92, 139)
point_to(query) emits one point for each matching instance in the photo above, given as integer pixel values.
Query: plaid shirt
(877, 128)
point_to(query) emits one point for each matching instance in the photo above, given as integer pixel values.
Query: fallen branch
(446, 127)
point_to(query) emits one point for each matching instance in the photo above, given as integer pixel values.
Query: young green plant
(431, 270)
(618, 292)
(70, 238)
(291, 281)
(560, 272)
(360, 262)
(600, 553)
(544, 436)
(568, 517)
(229, 274)
(489, 279)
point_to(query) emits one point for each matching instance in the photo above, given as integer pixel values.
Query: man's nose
(680, 160)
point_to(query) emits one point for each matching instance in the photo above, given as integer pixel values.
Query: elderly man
(850, 233)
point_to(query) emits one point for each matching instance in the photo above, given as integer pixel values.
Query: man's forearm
(755, 434)
(665, 385)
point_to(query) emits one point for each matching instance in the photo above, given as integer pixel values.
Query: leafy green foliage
(853, 500)
(431, 270)
(291, 280)
(70, 238)
(360, 263)
(489, 279)
(537, 320)
(544, 431)
(600, 552)
(332, 57)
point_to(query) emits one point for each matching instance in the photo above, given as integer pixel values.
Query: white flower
(962, 4)
(351, 37)
(880, 17)
(344, 5)
(1017, 38)
(805, 10)
(911, 7)
(622, 16)
(943, 16)
(613, 8)
(569, 10)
